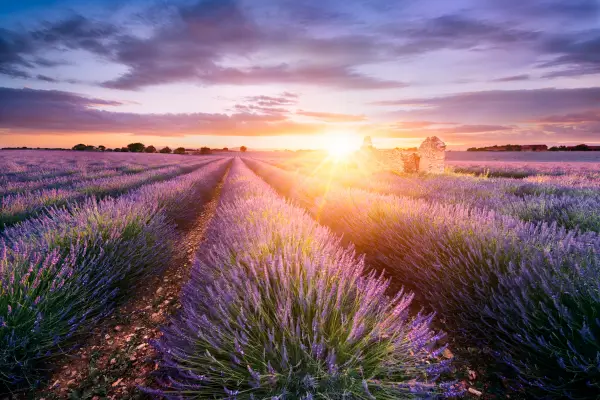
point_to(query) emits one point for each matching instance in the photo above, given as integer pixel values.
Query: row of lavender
(277, 308)
(62, 272)
(567, 206)
(40, 164)
(571, 205)
(20, 206)
(54, 179)
(574, 170)
(526, 293)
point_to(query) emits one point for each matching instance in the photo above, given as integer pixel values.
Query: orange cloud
(332, 117)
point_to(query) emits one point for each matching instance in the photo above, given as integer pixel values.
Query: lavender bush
(277, 308)
(18, 207)
(573, 206)
(61, 272)
(528, 294)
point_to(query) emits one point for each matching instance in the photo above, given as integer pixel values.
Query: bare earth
(118, 357)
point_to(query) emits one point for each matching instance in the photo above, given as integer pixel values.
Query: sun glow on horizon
(341, 145)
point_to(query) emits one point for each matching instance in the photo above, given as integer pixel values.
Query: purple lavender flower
(527, 291)
(274, 290)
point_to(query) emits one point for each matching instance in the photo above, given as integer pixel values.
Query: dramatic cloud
(513, 78)
(428, 128)
(335, 76)
(414, 124)
(268, 105)
(499, 105)
(340, 54)
(193, 44)
(285, 99)
(456, 32)
(331, 117)
(586, 116)
(78, 32)
(476, 128)
(35, 111)
(577, 54)
(13, 47)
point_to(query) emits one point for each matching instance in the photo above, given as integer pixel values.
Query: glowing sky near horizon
(294, 73)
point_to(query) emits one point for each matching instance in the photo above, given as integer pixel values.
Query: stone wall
(430, 158)
(433, 156)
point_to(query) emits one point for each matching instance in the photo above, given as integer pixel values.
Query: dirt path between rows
(118, 356)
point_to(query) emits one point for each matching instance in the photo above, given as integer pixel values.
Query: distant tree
(89, 148)
(124, 150)
(166, 150)
(581, 147)
(117, 150)
(179, 150)
(225, 149)
(79, 147)
(205, 150)
(102, 148)
(243, 149)
(109, 150)
(150, 149)
(136, 147)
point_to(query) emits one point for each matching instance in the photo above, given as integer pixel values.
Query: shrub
(526, 293)
(64, 271)
(276, 308)
(61, 273)
(136, 147)
(179, 150)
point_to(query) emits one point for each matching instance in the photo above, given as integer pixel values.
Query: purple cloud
(42, 111)
(332, 117)
(513, 78)
(586, 116)
(455, 32)
(497, 105)
(191, 43)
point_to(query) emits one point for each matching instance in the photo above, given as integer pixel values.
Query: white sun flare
(340, 146)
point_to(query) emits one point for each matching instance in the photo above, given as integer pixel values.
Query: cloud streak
(497, 105)
(332, 117)
(348, 53)
(37, 111)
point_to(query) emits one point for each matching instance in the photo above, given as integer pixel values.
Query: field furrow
(80, 177)
(64, 271)
(118, 350)
(570, 206)
(276, 306)
(19, 207)
(525, 294)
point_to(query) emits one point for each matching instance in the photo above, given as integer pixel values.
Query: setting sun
(268, 199)
(342, 145)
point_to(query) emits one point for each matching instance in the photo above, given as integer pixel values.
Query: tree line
(141, 148)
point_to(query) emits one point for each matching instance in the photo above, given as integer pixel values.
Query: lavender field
(307, 278)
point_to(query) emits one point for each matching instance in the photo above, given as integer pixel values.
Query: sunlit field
(297, 275)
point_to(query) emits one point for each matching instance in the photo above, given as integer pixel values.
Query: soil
(118, 357)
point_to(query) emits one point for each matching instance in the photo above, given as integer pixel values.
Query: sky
(293, 74)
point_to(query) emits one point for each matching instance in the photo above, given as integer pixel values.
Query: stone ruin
(433, 156)
(429, 158)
